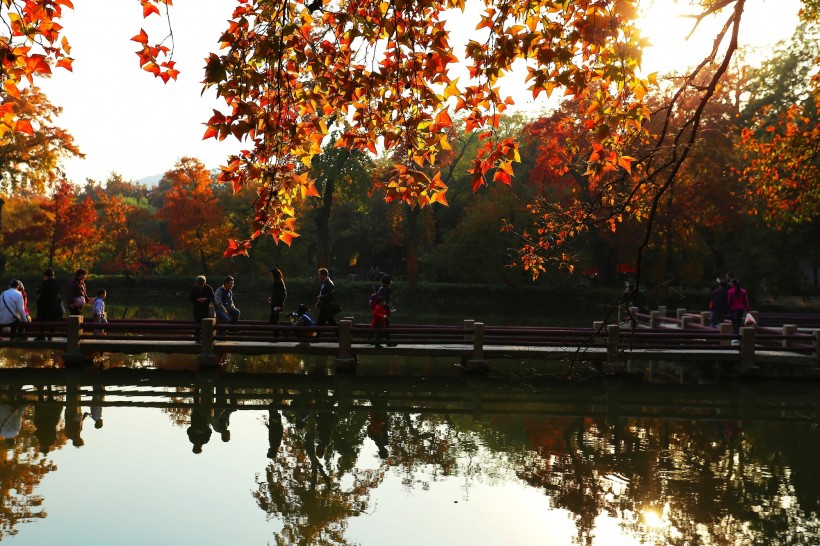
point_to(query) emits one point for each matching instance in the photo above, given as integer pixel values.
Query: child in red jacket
(379, 320)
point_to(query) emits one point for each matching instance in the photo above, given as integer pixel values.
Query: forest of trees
(741, 195)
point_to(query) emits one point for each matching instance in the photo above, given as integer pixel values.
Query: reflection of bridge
(474, 395)
(638, 337)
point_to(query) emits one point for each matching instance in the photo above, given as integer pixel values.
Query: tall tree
(30, 157)
(192, 212)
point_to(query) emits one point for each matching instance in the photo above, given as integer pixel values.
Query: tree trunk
(323, 225)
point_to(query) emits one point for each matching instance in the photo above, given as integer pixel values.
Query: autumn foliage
(622, 153)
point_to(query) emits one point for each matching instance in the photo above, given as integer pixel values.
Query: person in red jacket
(379, 320)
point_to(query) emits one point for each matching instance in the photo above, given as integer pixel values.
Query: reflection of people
(202, 300)
(326, 304)
(74, 423)
(278, 295)
(11, 418)
(199, 432)
(275, 432)
(377, 431)
(46, 418)
(221, 419)
(97, 396)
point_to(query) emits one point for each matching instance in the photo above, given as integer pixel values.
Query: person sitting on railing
(226, 311)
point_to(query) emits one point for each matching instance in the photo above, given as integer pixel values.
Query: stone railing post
(469, 325)
(686, 322)
(613, 334)
(788, 330)
(477, 361)
(705, 318)
(679, 313)
(726, 329)
(747, 347)
(345, 360)
(73, 354)
(817, 345)
(207, 354)
(653, 319)
(598, 332)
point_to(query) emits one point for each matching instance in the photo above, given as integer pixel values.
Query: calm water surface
(421, 456)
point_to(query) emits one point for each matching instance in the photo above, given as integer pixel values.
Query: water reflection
(653, 464)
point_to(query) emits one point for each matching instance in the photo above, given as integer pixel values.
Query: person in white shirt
(12, 308)
(100, 316)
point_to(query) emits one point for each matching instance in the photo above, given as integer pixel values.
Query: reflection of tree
(709, 481)
(22, 468)
(303, 486)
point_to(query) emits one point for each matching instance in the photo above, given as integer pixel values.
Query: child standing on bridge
(100, 316)
(379, 318)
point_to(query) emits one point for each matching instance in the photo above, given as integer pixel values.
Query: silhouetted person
(221, 419)
(73, 415)
(326, 304)
(199, 432)
(95, 410)
(202, 301)
(719, 304)
(46, 418)
(49, 306)
(278, 296)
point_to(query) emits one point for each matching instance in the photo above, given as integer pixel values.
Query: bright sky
(129, 122)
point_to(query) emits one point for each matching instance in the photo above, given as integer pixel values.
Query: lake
(148, 450)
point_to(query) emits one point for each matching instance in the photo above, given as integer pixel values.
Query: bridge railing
(470, 339)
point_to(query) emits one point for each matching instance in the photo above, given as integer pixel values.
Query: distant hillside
(150, 181)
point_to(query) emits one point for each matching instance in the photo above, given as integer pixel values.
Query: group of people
(207, 302)
(729, 299)
(50, 308)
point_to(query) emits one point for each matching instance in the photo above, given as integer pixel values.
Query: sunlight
(652, 518)
(666, 24)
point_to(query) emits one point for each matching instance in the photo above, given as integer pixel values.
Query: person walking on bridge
(326, 304)
(738, 305)
(77, 295)
(719, 304)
